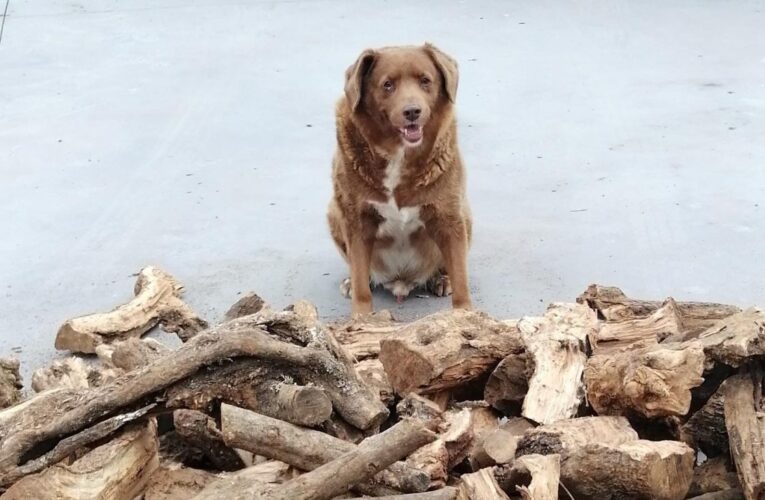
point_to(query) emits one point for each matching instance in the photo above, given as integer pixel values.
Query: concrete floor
(615, 142)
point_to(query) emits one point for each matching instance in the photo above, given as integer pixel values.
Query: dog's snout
(412, 113)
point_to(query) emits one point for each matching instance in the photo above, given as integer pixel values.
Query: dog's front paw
(440, 285)
(345, 288)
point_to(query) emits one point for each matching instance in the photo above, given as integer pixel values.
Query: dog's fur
(399, 214)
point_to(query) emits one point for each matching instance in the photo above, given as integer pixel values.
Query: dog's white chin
(408, 144)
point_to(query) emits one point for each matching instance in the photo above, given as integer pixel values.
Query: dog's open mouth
(411, 133)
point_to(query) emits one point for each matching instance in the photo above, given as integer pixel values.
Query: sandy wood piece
(157, 300)
(250, 303)
(556, 345)
(134, 352)
(118, 469)
(508, 383)
(447, 493)
(450, 448)
(361, 336)
(51, 416)
(664, 323)
(499, 445)
(484, 421)
(480, 485)
(372, 373)
(10, 382)
(716, 474)
(745, 421)
(613, 305)
(72, 373)
(730, 494)
(543, 472)
(368, 458)
(248, 483)
(174, 484)
(651, 381)
(446, 349)
(706, 429)
(736, 338)
(571, 434)
(201, 431)
(304, 448)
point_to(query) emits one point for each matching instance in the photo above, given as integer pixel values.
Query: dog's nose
(411, 113)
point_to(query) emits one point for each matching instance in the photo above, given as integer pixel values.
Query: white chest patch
(400, 258)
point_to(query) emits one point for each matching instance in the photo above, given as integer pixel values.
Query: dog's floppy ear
(448, 68)
(354, 77)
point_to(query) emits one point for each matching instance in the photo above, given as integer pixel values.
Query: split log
(705, 429)
(452, 447)
(536, 477)
(508, 384)
(575, 433)
(499, 446)
(71, 373)
(745, 421)
(174, 484)
(53, 415)
(202, 432)
(663, 323)
(119, 469)
(304, 448)
(361, 336)
(372, 373)
(612, 305)
(250, 303)
(651, 381)
(419, 407)
(737, 338)
(480, 485)
(445, 350)
(367, 459)
(716, 474)
(484, 422)
(447, 493)
(247, 483)
(10, 382)
(556, 345)
(157, 300)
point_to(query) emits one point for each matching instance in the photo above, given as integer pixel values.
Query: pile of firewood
(605, 398)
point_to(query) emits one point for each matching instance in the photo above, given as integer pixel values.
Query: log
(247, 483)
(612, 304)
(372, 373)
(270, 390)
(737, 338)
(706, 430)
(339, 428)
(118, 469)
(157, 300)
(481, 485)
(54, 415)
(575, 433)
(651, 381)
(745, 421)
(10, 382)
(250, 303)
(543, 473)
(446, 493)
(499, 446)
(445, 350)
(361, 336)
(484, 421)
(556, 345)
(172, 484)
(450, 448)
(507, 385)
(72, 373)
(716, 474)
(368, 458)
(419, 407)
(200, 431)
(302, 448)
(664, 323)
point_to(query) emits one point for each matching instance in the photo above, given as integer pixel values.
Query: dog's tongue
(412, 133)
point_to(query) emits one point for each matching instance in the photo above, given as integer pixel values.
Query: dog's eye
(388, 85)
(425, 81)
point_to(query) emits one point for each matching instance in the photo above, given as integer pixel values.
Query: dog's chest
(397, 222)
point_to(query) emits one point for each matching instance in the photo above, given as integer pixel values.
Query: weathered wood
(157, 300)
(664, 323)
(419, 407)
(174, 484)
(368, 458)
(72, 373)
(736, 338)
(118, 469)
(445, 350)
(53, 416)
(134, 353)
(372, 373)
(716, 474)
(361, 336)
(651, 381)
(745, 420)
(575, 433)
(446, 493)
(544, 474)
(705, 429)
(556, 345)
(10, 382)
(202, 432)
(508, 383)
(730, 494)
(613, 305)
(484, 421)
(452, 446)
(499, 446)
(250, 303)
(248, 483)
(303, 448)
(480, 485)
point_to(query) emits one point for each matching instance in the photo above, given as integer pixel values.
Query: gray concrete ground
(616, 142)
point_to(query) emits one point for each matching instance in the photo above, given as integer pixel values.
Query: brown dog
(399, 214)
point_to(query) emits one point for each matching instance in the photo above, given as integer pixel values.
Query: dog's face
(401, 88)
